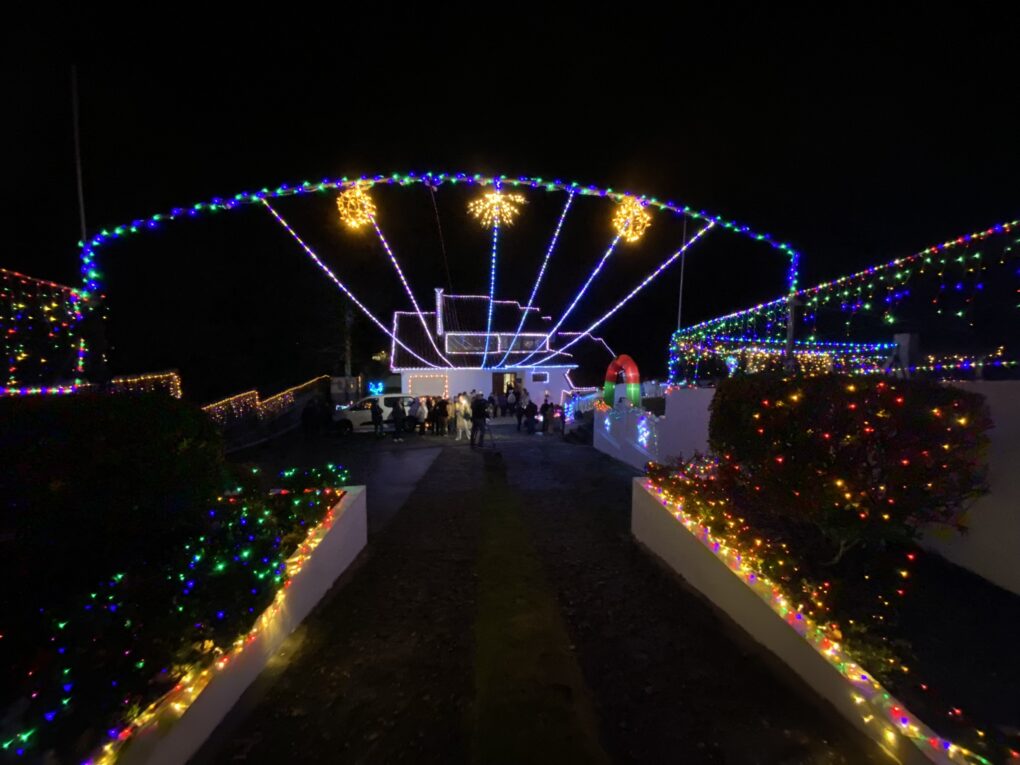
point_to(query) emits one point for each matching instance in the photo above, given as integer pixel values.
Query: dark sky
(855, 137)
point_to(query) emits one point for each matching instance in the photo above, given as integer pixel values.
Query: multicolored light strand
(39, 322)
(91, 276)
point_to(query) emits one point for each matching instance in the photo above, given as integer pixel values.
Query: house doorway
(500, 381)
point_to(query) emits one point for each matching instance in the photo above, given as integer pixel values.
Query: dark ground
(505, 613)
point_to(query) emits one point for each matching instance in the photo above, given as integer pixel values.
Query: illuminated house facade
(443, 352)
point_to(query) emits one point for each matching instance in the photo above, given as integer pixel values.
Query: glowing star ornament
(631, 219)
(356, 207)
(496, 208)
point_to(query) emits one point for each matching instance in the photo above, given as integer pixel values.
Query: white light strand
(538, 279)
(340, 284)
(662, 267)
(407, 288)
(580, 293)
(492, 287)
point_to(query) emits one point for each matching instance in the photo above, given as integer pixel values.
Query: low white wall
(635, 436)
(991, 546)
(861, 703)
(628, 434)
(174, 742)
(686, 427)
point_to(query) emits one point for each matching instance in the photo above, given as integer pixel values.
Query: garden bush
(90, 480)
(829, 480)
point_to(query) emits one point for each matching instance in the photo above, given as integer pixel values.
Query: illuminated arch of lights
(501, 202)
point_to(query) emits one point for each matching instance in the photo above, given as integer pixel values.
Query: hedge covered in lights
(823, 483)
(861, 459)
(177, 555)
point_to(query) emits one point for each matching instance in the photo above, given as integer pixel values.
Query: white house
(463, 357)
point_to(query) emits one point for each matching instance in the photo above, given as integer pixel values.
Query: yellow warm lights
(356, 207)
(496, 207)
(631, 219)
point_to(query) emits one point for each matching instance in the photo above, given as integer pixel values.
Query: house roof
(467, 312)
(470, 313)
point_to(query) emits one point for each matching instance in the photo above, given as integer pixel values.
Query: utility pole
(683, 265)
(348, 324)
(77, 149)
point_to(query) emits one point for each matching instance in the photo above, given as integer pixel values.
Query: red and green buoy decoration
(624, 365)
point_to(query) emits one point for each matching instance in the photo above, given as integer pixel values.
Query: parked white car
(358, 416)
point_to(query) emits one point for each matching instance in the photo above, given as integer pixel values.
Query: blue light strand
(492, 288)
(579, 295)
(326, 269)
(538, 279)
(644, 283)
(407, 289)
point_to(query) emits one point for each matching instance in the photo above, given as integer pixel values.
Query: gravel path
(504, 611)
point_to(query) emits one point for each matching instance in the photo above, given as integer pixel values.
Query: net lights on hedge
(245, 544)
(777, 426)
(878, 706)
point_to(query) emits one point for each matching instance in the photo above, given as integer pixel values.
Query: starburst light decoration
(496, 207)
(631, 219)
(356, 207)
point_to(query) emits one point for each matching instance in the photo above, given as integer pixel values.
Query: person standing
(398, 420)
(377, 425)
(547, 413)
(479, 414)
(501, 402)
(463, 417)
(442, 414)
(530, 410)
(511, 402)
(522, 405)
(422, 416)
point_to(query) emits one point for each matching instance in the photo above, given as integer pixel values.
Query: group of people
(466, 414)
(462, 417)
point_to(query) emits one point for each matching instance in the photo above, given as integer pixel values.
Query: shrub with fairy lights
(823, 484)
(77, 671)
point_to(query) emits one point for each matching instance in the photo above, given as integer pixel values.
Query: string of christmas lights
(328, 271)
(878, 706)
(90, 248)
(626, 299)
(248, 403)
(580, 294)
(538, 279)
(856, 292)
(357, 210)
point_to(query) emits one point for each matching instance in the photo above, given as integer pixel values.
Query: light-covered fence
(246, 418)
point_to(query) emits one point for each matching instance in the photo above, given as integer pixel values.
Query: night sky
(853, 137)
